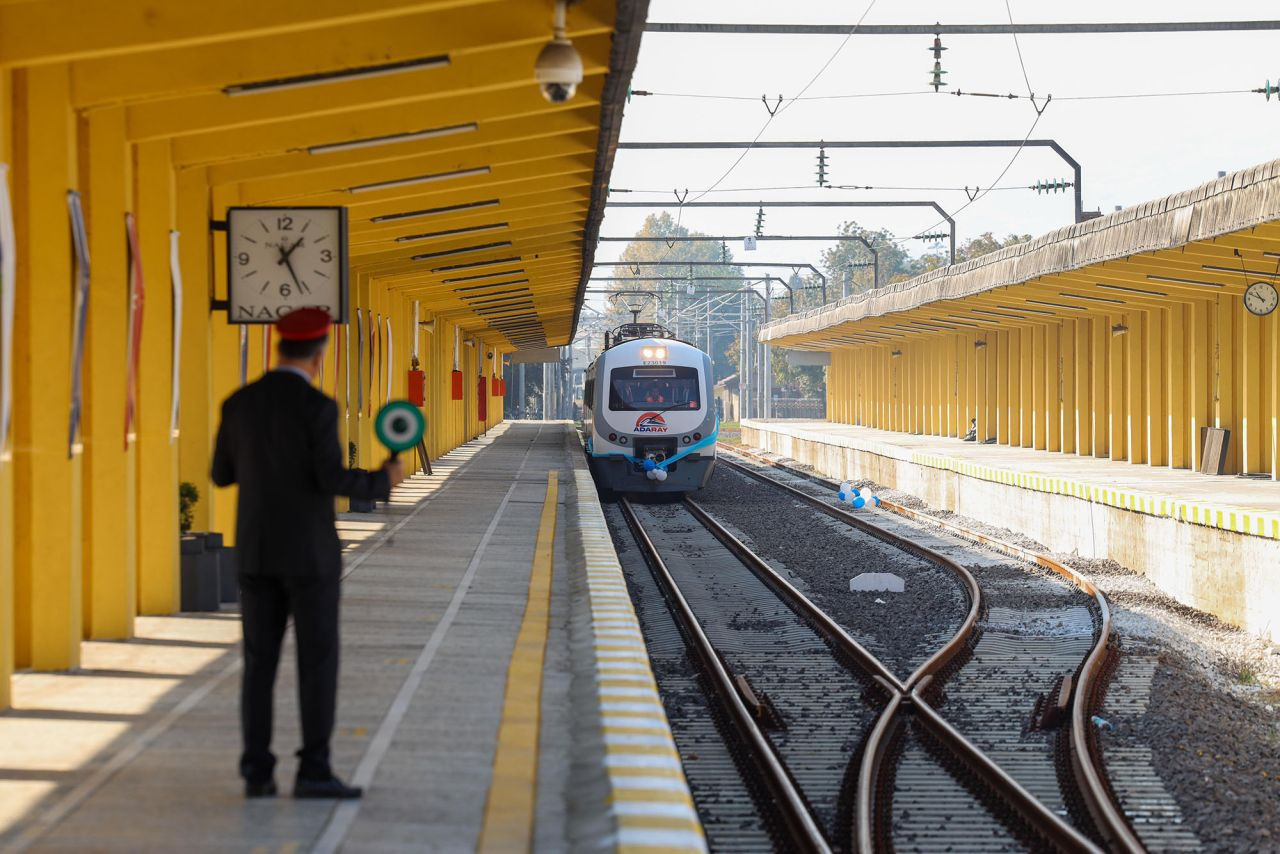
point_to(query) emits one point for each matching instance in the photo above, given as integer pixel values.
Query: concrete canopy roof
(502, 173)
(1214, 239)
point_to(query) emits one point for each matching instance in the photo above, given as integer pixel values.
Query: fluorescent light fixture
(515, 272)
(1095, 299)
(344, 75)
(503, 302)
(995, 313)
(1025, 308)
(1187, 281)
(490, 285)
(1056, 304)
(418, 179)
(471, 265)
(1272, 274)
(978, 319)
(479, 298)
(1132, 290)
(389, 139)
(467, 206)
(445, 253)
(451, 232)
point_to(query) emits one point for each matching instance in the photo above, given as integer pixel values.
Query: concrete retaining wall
(1235, 576)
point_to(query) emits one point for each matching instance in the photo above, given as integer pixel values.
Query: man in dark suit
(279, 441)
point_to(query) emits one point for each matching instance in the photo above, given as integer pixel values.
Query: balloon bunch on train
(652, 471)
(850, 494)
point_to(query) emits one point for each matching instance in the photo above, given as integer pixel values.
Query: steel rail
(787, 799)
(826, 626)
(1041, 819)
(1094, 788)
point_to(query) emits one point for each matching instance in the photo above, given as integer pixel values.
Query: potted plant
(198, 553)
(357, 505)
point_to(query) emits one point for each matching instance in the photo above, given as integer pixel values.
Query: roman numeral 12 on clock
(279, 259)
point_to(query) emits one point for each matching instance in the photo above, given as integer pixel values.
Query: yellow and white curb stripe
(1242, 520)
(649, 797)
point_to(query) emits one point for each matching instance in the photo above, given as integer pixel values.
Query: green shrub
(188, 495)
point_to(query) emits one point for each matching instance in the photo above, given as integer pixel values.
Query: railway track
(1060, 766)
(845, 755)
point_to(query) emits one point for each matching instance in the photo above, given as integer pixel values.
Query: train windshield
(650, 389)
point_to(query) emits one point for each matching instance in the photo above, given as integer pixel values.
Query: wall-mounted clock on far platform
(279, 259)
(1261, 298)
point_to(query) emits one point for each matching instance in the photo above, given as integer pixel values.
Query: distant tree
(974, 247)
(893, 258)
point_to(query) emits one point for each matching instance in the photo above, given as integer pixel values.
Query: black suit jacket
(279, 441)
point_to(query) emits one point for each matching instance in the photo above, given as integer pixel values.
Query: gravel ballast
(1207, 712)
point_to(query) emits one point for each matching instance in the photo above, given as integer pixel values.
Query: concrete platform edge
(628, 789)
(1223, 561)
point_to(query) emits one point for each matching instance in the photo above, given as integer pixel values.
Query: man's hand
(395, 471)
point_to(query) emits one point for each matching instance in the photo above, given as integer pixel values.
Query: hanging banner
(80, 243)
(244, 355)
(175, 389)
(390, 358)
(8, 292)
(373, 377)
(137, 299)
(359, 348)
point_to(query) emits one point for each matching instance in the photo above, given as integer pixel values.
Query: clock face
(1261, 298)
(280, 259)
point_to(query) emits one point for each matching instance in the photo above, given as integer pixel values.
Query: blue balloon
(876, 499)
(856, 492)
(650, 465)
(859, 501)
(841, 496)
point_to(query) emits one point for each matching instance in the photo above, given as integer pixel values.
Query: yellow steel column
(1100, 385)
(1027, 372)
(110, 565)
(47, 516)
(198, 412)
(1118, 377)
(1269, 389)
(1052, 387)
(1224, 378)
(1156, 411)
(1176, 386)
(1065, 417)
(6, 465)
(1039, 404)
(1135, 386)
(1082, 371)
(224, 359)
(1199, 367)
(999, 342)
(1252, 377)
(157, 452)
(1014, 363)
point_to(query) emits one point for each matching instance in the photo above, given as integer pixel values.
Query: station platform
(1209, 542)
(495, 693)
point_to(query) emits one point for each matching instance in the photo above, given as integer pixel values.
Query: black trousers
(266, 603)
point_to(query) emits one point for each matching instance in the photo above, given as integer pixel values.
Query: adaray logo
(651, 422)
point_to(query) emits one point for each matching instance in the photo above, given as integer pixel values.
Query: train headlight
(613, 437)
(659, 352)
(685, 439)
(697, 437)
(622, 440)
(647, 352)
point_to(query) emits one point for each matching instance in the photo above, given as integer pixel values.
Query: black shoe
(262, 789)
(328, 788)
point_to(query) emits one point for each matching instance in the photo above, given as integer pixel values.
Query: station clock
(279, 259)
(1261, 298)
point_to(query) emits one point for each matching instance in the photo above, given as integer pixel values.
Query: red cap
(304, 324)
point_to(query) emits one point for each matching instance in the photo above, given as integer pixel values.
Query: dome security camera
(558, 68)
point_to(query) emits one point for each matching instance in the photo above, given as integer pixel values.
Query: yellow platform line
(508, 813)
(649, 798)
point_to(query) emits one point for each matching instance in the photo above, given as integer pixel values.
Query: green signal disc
(399, 425)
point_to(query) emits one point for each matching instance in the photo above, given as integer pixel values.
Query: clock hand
(289, 265)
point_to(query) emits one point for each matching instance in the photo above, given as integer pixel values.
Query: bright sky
(1131, 150)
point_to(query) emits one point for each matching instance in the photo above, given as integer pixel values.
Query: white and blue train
(648, 416)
